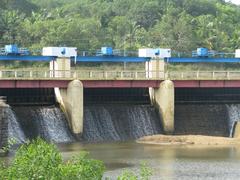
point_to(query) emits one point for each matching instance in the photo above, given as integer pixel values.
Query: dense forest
(182, 25)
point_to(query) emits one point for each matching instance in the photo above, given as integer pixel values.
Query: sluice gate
(116, 96)
(206, 111)
(25, 96)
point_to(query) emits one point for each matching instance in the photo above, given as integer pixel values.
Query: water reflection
(168, 162)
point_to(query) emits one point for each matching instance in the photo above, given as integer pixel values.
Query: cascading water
(105, 122)
(15, 131)
(52, 124)
(233, 116)
(119, 122)
(46, 122)
(101, 123)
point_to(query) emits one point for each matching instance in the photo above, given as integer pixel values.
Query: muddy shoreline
(188, 140)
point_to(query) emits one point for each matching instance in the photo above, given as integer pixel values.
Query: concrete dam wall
(113, 115)
(201, 119)
(118, 115)
(101, 123)
(206, 111)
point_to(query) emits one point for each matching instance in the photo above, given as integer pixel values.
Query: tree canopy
(182, 25)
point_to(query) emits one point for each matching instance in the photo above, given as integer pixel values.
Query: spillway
(233, 116)
(206, 119)
(47, 122)
(201, 119)
(15, 131)
(119, 122)
(105, 122)
(111, 122)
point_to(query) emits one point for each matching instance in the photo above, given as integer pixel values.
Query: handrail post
(105, 74)
(1, 74)
(136, 75)
(228, 75)
(90, 74)
(166, 75)
(213, 75)
(74, 74)
(15, 74)
(121, 75)
(197, 74)
(31, 74)
(182, 75)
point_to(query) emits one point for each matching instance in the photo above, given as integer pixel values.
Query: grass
(120, 66)
(79, 66)
(203, 67)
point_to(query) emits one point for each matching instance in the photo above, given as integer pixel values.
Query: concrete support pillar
(155, 68)
(60, 67)
(236, 130)
(3, 126)
(75, 105)
(71, 102)
(164, 102)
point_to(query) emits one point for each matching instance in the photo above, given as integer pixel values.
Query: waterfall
(52, 124)
(233, 116)
(46, 122)
(101, 123)
(119, 122)
(15, 131)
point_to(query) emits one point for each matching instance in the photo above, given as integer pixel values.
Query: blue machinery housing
(202, 55)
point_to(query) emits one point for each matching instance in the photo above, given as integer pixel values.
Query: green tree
(174, 31)
(40, 160)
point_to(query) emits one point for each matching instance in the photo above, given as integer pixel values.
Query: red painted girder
(207, 83)
(86, 84)
(119, 83)
(33, 83)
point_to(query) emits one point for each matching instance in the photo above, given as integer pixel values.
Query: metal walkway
(118, 75)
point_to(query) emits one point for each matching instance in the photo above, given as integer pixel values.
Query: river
(167, 162)
(121, 123)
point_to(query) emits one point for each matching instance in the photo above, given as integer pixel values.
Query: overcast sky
(234, 1)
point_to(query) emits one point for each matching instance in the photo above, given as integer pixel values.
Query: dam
(117, 114)
(64, 105)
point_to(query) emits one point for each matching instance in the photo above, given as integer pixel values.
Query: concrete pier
(163, 99)
(60, 68)
(236, 130)
(3, 126)
(155, 68)
(71, 102)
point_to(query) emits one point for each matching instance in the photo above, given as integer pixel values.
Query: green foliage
(10, 143)
(40, 160)
(181, 25)
(82, 167)
(145, 174)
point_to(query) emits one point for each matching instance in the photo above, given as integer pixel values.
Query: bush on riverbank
(40, 160)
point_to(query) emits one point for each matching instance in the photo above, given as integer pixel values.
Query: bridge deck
(118, 75)
(105, 79)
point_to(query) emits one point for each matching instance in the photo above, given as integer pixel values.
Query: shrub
(40, 160)
(145, 173)
(82, 167)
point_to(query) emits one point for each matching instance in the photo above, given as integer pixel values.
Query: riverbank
(188, 140)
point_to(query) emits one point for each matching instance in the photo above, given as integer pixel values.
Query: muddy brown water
(167, 162)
